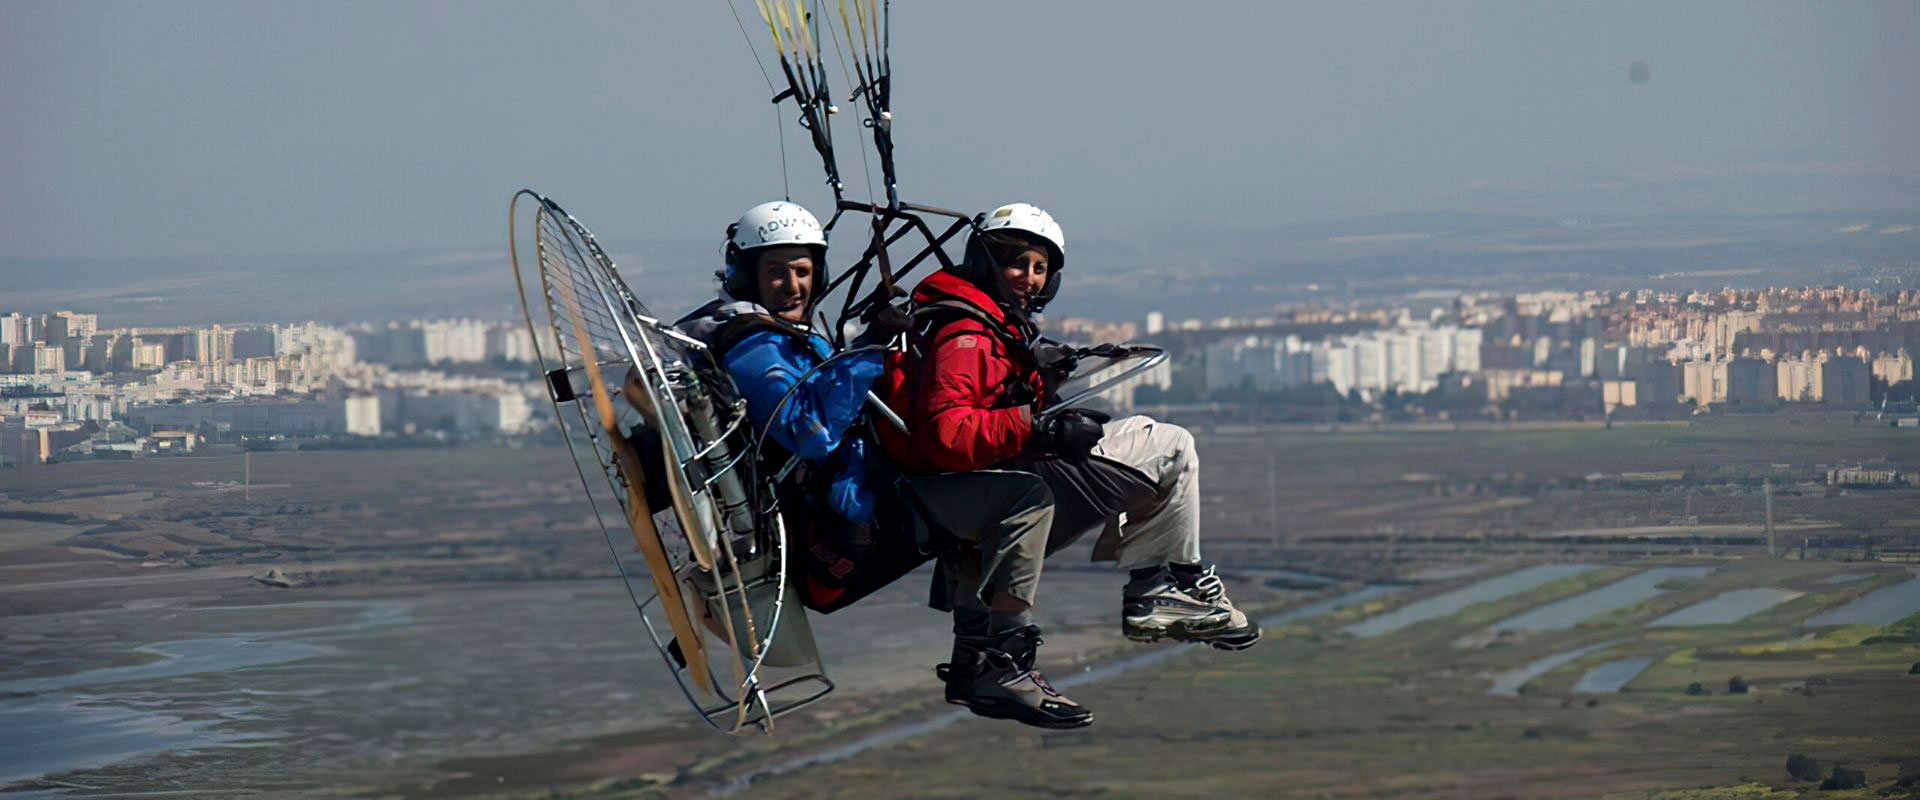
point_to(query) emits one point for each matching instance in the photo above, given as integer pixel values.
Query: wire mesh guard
(646, 408)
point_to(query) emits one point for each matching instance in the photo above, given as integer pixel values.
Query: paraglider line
(779, 132)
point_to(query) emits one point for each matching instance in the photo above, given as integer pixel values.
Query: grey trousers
(1003, 515)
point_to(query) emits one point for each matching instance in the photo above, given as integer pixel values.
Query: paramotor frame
(716, 561)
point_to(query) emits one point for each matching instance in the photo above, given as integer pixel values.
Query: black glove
(889, 322)
(1056, 361)
(885, 323)
(1071, 434)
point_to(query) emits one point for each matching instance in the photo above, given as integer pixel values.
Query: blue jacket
(766, 363)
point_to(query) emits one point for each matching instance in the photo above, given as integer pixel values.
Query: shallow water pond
(1612, 676)
(1507, 684)
(1882, 607)
(48, 734)
(1727, 608)
(179, 658)
(1582, 607)
(1448, 603)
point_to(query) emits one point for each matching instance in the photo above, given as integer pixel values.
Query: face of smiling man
(786, 281)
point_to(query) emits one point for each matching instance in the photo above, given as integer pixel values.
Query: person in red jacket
(972, 388)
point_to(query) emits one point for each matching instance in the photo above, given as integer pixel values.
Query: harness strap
(940, 312)
(740, 327)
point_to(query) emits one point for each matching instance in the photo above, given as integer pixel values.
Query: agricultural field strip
(1731, 606)
(1612, 676)
(1881, 607)
(1509, 683)
(1574, 610)
(1448, 603)
(1727, 607)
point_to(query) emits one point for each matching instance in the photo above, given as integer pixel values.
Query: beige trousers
(1165, 526)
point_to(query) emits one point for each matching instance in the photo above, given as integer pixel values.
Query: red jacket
(966, 387)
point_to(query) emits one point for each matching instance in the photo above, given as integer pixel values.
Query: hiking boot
(1204, 584)
(995, 679)
(1158, 606)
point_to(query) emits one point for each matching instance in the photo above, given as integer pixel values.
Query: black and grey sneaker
(1186, 605)
(997, 680)
(1204, 584)
(1157, 606)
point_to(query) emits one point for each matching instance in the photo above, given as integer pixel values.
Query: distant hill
(1187, 272)
(342, 288)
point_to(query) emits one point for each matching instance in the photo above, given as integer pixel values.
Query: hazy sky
(179, 128)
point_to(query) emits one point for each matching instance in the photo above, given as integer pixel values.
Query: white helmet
(1027, 218)
(775, 224)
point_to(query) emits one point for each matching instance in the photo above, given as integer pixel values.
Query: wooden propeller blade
(723, 626)
(665, 583)
(639, 517)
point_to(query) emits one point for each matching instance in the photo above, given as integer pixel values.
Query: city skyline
(70, 387)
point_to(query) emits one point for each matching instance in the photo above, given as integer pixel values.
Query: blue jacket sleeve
(766, 365)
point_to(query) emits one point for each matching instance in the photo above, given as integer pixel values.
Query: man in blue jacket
(758, 330)
(864, 525)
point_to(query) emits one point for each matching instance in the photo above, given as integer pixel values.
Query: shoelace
(1207, 586)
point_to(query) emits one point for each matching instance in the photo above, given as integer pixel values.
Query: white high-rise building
(1542, 351)
(1402, 359)
(1436, 354)
(362, 415)
(1407, 359)
(320, 345)
(510, 341)
(16, 329)
(212, 345)
(1369, 363)
(1466, 349)
(453, 340)
(73, 326)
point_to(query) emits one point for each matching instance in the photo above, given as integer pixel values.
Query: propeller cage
(622, 382)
